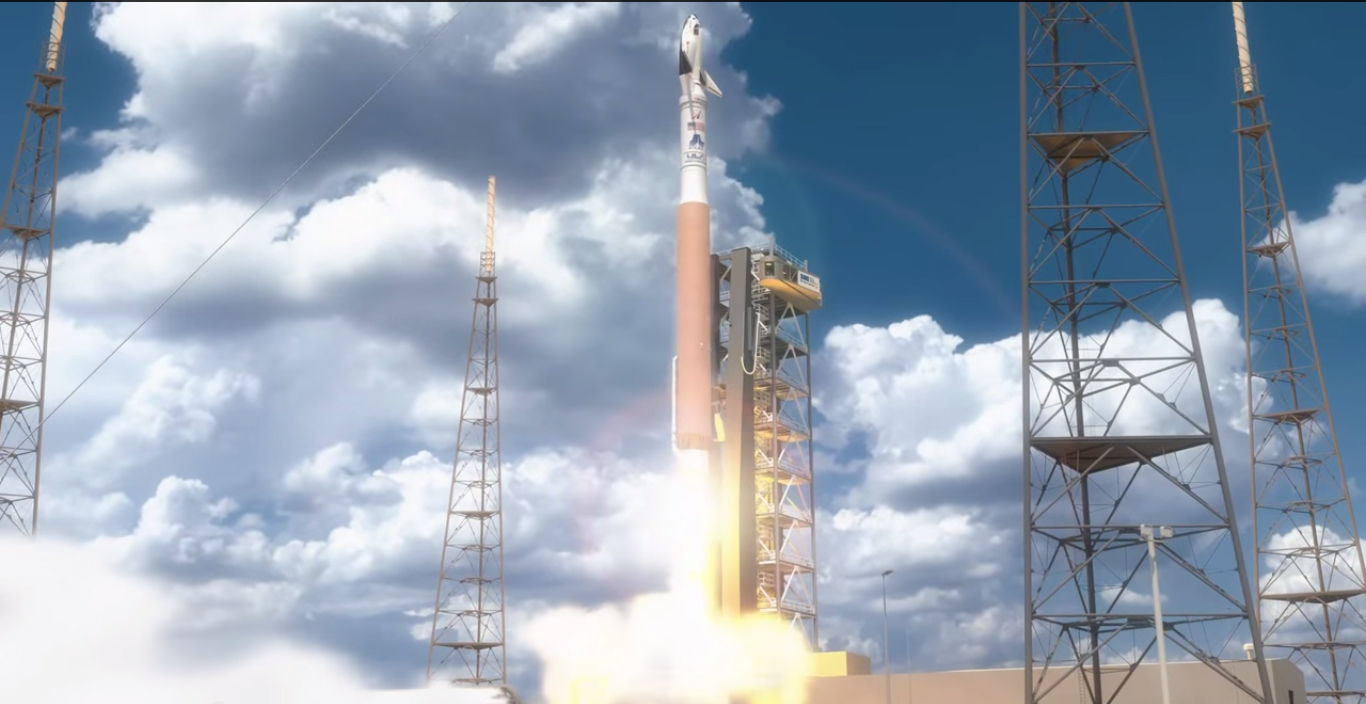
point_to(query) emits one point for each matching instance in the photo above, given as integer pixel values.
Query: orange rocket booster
(693, 381)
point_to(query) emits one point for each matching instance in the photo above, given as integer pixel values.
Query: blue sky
(98, 84)
(898, 141)
(892, 162)
(892, 167)
(98, 81)
(918, 104)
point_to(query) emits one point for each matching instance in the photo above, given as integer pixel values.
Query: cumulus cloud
(134, 650)
(276, 445)
(541, 91)
(935, 428)
(1330, 246)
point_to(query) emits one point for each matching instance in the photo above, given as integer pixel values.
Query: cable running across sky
(345, 123)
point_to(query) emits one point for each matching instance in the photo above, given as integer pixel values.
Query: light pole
(886, 650)
(1152, 535)
(910, 691)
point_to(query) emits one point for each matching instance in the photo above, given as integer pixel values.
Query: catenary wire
(345, 123)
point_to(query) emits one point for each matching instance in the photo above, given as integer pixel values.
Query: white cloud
(883, 375)
(277, 443)
(544, 30)
(241, 445)
(134, 651)
(937, 497)
(171, 406)
(1331, 248)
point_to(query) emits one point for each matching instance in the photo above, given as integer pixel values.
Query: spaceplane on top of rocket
(692, 373)
(690, 59)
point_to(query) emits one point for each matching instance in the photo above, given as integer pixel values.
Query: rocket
(693, 373)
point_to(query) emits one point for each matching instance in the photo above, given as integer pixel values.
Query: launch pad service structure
(765, 296)
(742, 406)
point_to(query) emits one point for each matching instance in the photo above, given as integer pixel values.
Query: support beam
(739, 535)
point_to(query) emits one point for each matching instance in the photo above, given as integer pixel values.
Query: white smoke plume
(667, 647)
(75, 629)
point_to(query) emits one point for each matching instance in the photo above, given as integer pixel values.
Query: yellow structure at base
(839, 664)
(803, 299)
(588, 690)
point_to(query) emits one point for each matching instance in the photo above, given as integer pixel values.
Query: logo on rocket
(695, 84)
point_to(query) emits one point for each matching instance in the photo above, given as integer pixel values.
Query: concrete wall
(1191, 683)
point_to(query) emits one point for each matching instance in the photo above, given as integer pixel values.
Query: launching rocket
(693, 377)
(693, 374)
(726, 565)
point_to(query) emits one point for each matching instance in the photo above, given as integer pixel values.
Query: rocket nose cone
(690, 47)
(692, 27)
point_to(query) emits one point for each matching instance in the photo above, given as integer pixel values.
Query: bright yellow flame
(692, 527)
(668, 647)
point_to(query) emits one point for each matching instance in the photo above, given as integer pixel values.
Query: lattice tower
(1119, 426)
(1310, 567)
(779, 370)
(26, 274)
(468, 626)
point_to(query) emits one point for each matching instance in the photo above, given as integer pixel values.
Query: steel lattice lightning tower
(1309, 561)
(1119, 426)
(26, 271)
(468, 627)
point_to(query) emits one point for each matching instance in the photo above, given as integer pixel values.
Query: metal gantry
(26, 279)
(469, 624)
(1310, 565)
(771, 356)
(1119, 426)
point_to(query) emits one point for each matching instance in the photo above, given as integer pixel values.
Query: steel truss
(1310, 566)
(777, 363)
(26, 245)
(467, 644)
(1119, 425)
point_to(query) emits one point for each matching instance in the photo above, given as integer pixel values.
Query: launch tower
(1121, 448)
(467, 644)
(26, 272)
(1310, 566)
(765, 298)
